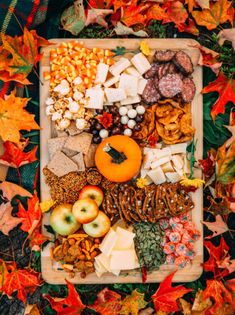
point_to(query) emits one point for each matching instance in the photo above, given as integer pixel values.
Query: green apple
(63, 221)
(98, 227)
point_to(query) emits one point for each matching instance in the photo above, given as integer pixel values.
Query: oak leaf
(165, 298)
(14, 157)
(218, 227)
(14, 117)
(218, 13)
(7, 221)
(227, 34)
(225, 87)
(133, 303)
(20, 281)
(71, 305)
(10, 190)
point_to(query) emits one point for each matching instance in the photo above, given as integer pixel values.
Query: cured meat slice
(188, 90)
(166, 68)
(152, 72)
(164, 55)
(170, 85)
(183, 62)
(150, 93)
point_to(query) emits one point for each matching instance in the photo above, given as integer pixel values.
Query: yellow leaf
(133, 303)
(144, 47)
(46, 205)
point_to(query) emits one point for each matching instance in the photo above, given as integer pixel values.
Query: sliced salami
(150, 93)
(170, 85)
(164, 55)
(152, 72)
(188, 90)
(166, 68)
(183, 62)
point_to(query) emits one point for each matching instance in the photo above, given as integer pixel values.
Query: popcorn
(62, 88)
(74, 107)
(50, 110)
(63, 124)
(81, 123)
(56, 116)
(77, 81)
(68, 115)
(77, 95)
(49, 101)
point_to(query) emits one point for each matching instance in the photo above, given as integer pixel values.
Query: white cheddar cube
(133, 71)
(101, 73)
(125, 239)
(141, 63)
(177, 161)
(119, 66)
(115, 95)
(123, 259)
(157, 175)
(159, 162)
(178, 148)
(173, 177)
(160, 153)
(111, 81)
(167, 167)
(141, 85)
(129, 83)
(108, 242)
(131, 100)
(95, 98)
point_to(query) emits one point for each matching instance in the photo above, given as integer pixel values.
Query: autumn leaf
(37, 239)
(226, 164)
(13, 118)
(189, 27)
(165, 298)
(71, 305)
(225, 87)
(97, 16)
(227, 34)
(107, 303)
(218, 227)
(209, 58)
(10, 190)
(31, 216)
(20, 281)
(231, 128)
(175, 12)
(31, 310)
(156, 12)
(204, 4)
(7, 221)
(219, 13)
(3, 273)
(133, 14)
(133, 303)
(14, 157)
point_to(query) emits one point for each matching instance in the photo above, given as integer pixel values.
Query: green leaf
(191, 148)
(50, 229)
(119, 51)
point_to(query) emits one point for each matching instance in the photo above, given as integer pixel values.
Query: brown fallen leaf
(227, 34)
(7, 221)
(10, 190)
(97, 16)
(218, 227)
(120, 29)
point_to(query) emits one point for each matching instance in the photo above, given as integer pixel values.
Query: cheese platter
(118, 132)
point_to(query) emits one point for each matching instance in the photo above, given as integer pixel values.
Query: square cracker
(73, 130)
(55, 144)
(61, 165)
(78, 159)
(89, 158)
(80, 143)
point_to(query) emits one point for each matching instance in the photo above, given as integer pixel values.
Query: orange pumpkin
(118, 158)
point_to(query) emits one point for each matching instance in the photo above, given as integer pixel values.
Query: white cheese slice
(103, 261)
(160, 153)
(131, 100)
(95, 98)
(99, 267)
(141, 63)
(108, 103)
(186, 168)
(167, 167)
(108, 242)
(180, 172)
(122, 259)
(157, 175)
(178, 148)
(129, 83)
(173, 177)
(177, 161)
(133, 71)
(111, 81)
(159, 162)
(119, 66)
(141, 85)
(115, 95)
(148, 159)
(101, 72)
(125, 239)
(116, 272)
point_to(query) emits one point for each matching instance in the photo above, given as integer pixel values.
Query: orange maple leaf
(226, 90)
(219, 13)
(134, 14)
(165, 298)
(175, 12)
(13, 118)
(190, 27)
(156, 12)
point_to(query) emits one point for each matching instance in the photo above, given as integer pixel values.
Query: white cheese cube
(159, 162)
(173, 177)
(108, 242)
(111, 81)
(133, 71)
(148, 159)
(122, 259)
(177, 161)
(157, 175)
(101, 73)
(131, 100)
(178, 148)
(167, 167)
(119, 66)
(129, 83)
(95, 98)
(115, 95)
(160, 153)
(141, 63)
(125, 239)
(141, 85)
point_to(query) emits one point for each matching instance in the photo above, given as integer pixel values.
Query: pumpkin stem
(117, 157)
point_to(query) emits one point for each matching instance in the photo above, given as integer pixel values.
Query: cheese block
(131, 100)
(108, 242)
(129, 83)
(123, 259)
(141, 63)
(141, 85)
(159, 162)
(148, 158)
(178, 148)
(186, 168)
(95, 98)
(177, 161)
(160, 153)
(101, 72)
(173, 177)
(119, 66)
(125, 239)
(157, 175)
(167, 167)
(111, 81)
(115, 95)
(103, 261)
(133, 71)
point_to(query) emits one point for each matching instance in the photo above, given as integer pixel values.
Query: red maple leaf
(208, 165)
(165, 298)
(107, 303)
(32, 216)
(106, 120)
(20, 280)
(15, 157)
(225, 87)
(37, 239)
(71, 305)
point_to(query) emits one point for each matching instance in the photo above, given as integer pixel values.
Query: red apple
(92, 192)
(85, 210)
(98, 227)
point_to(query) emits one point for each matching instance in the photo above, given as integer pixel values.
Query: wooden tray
(190, 273)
